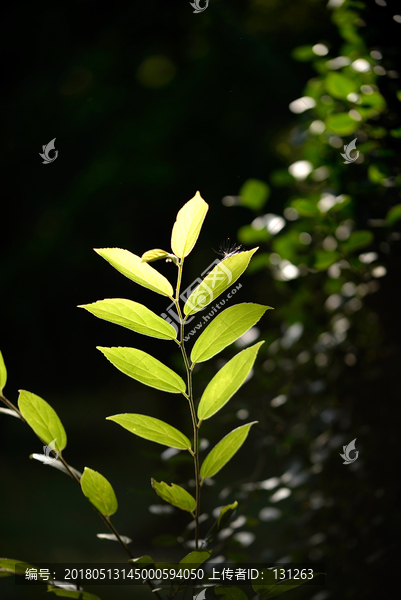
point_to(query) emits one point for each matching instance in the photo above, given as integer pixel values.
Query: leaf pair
(185, 233)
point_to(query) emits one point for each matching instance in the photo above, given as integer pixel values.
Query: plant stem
(191, 404)
(76, 479)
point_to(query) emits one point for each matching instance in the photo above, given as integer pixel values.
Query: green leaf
(324, 259)
(226, 382)
(224, 274)
(224, 451)
(226, 514)
(227, 327)
(248, 235)
(254, 194)
(358, 239)
(375, 174)
(394, 214)
(341, 123)
(71, 593)
(306, 208)
(155, 254)
(303, 53)
(230, 593)
(99, 492)
(195, 558)
(187, 226)
(153, 430)
(132, 315)
(144, 368)
(41, 417)
(270, 591)
(340, 86)
(11, 566)
(3, 374)
(143, 560)
(175, 495)
(132, 267)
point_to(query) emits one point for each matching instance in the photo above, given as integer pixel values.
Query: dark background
(149, 103)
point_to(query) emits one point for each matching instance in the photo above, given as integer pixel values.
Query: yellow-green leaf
(43, 419)
(224, 451)
(132, 315)
(227, 327)
(99, 492)
(155, 254)
(175, 495)
(226, 382)
(187, 226)
(144, 368)
(224, 274)
(153, 429)
(131, 266)
(3, 374)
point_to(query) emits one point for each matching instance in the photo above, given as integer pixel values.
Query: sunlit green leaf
(175, 495)
(144, 368)
(254, 194)
(225, 328)
(3, 374)
(132, 315)
(230, 593)
(152, 429)
(339, 86)
(394, 214)
(188, 225)
(132, 267)
(224, 451)
(226, 382)
(357, 239)
(43, 419)
(196, 558)
(341, 123)
(224, 274)
(99, 492)
(324, 259)
(155, 254)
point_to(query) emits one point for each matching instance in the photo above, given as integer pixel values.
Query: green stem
(191, 403)
(76, 479)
